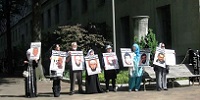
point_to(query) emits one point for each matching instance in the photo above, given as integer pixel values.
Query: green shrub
(122, 76)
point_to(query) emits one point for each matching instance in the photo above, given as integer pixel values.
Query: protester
(56, 80)
(136, 71)
(92, 81)
(30, 76)
(74, 74)
(110, 74)
(161, 72)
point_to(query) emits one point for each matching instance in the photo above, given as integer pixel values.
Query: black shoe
(159, 89)
(56, 91)
(71, 93)
(166, 89)
(81, 91)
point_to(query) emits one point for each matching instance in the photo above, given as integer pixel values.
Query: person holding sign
(109, 74)
(92, 82)
(160, 71)
(74, 74)
(136, 73)
(30, 75)
(56, 80)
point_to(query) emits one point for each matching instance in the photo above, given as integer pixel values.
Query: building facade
(175, 22)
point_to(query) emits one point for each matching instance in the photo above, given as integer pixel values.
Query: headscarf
(137, 52)
(138, 70)
(28, 54)
(91, 50)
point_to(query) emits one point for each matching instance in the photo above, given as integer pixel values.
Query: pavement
(13, 89)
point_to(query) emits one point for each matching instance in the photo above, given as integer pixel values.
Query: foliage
(122, 77)
(151, 41)
(15, 7)
(68, 34)
(148, 42)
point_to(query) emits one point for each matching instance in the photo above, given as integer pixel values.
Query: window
(57, 14)
(26, 28)
(49, 18)
(84, 6)
(101, 2)
(42, 21)
(69, 9)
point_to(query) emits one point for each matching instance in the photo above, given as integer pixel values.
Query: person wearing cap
(74, 74)
(136, 71)
(30, 75)
(109, 74)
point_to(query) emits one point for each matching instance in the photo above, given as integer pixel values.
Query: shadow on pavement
(12, 96)
(7, 81)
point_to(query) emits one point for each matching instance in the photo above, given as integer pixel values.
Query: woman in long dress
(136, 72)
(92, 81)
(30, 76)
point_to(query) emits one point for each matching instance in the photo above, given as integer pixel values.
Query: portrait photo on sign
(111, 61)
(77, 60)
(35, 50)
(57, 65)
(144, 58)
(159, 58)
(92, 65)
(127, 57)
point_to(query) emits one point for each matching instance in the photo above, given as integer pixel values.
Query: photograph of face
(92, 64)
(59, 62)
(35, 51)
(143, 59)
(127, 58)
(161, 58)
(111, 60)
(77, 60)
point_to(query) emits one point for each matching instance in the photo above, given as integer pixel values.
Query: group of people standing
(92, 82)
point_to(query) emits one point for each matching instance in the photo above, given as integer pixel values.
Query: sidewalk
(13, 88)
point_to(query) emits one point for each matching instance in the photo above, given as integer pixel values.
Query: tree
(64, 35)
(148, 42)
(36, 33)
(85, 40)
(9, 8)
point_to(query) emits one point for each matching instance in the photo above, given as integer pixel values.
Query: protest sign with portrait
(170, 57)
(35, 50)
(111, 61)
(92, 65)
(159, 58)
(57, 65)
(127, 57)
(77, 60)
(144, 58)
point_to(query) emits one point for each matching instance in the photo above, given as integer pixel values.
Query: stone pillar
(140, 26)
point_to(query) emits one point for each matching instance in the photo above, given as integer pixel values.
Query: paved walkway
(13, 89)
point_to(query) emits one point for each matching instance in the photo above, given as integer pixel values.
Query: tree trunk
(36, 33)
(8, 36)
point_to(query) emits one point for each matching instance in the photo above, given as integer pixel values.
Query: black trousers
(113, 83)
(56, 87)
(73, 76)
